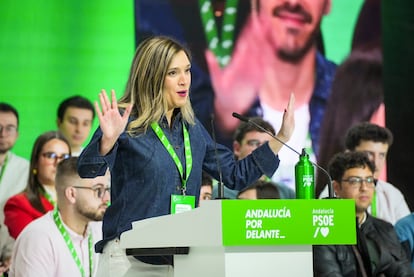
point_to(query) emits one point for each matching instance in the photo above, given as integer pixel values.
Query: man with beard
(14, 170)
(276, 54)
(258, 52)
(61, 243)
(377, 251)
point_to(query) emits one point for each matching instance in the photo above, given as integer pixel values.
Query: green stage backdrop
(50, 50)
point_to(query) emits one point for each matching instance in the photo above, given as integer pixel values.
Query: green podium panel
(288, 222)
(244, 238)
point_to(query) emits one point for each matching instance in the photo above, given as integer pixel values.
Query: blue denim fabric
(143, 174)
(405, 231)
(325, 73)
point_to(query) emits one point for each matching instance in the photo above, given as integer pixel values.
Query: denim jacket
(144, 176)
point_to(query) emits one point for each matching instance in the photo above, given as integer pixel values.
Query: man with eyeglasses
(246, 139)
(61, 243)
(388, 202)
(378, 250)
(14, 170)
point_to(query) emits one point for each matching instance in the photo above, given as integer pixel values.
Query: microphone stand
(220, 185)
(246, 119)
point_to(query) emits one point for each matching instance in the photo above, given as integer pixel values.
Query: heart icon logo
(325, 231)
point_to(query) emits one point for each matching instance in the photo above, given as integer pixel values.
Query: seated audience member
(14, 170)
(405, 231)
(74, 120)
(206, 190)
(60, 243)
(357, 95)
(378, 251)
(259, 190)
(6, 247)
(247, 138)
(388, 202)
(39, 196)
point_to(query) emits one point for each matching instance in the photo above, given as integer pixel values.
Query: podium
(240, 238)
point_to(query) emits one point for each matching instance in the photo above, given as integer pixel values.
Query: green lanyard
(223, 47)
(374, 205)
(3, 168)
(49, 197)
(69, 243)
(187, 150)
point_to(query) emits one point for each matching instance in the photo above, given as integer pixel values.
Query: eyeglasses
(8, 130)
(356, 182)
(54, 156)
(99, 191)
(254, 142)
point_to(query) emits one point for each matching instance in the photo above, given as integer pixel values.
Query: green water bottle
(304, 177)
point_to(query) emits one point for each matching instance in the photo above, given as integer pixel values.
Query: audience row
(47, 191)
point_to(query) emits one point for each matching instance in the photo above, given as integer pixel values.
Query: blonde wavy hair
(145, 84)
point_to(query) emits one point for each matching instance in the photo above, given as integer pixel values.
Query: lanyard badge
(221, 46)
(179, 203)
(71, 248)
(182, 203)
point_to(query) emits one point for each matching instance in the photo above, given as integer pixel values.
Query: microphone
(247, 120)
(220, 185)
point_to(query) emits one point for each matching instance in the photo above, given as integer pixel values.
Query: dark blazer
(339, 260)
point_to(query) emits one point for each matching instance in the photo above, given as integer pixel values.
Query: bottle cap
(304, 154)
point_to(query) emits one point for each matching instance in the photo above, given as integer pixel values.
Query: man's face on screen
(294, 25)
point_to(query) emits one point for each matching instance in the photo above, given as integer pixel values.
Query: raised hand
(112, 123)
(287, 128)
(288, 123)
(236, 86)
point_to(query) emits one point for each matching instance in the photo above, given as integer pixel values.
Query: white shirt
(285, 173)
(77, 154)
(40, 250)
(391, 204)
(14, 179)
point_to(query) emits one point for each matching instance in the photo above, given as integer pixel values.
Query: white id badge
(182, 203)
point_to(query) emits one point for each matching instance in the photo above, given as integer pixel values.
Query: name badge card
(182, 203)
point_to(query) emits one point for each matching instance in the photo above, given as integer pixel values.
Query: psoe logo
(307, 180)
(322, 224)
